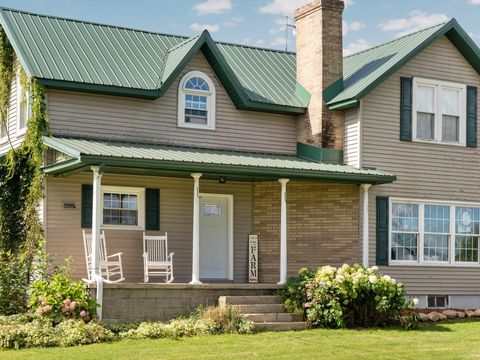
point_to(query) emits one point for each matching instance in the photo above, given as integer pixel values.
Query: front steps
(266, 312)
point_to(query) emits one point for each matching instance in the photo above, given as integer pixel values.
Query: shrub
(349, 297)
(38, 331)
(60, 297)
(293, 294)
(13, 284)
(226, 320)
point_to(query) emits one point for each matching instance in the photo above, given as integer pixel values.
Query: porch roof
(122, 157)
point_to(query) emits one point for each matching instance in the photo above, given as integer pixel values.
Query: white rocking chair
(110, 265)
(155, 259)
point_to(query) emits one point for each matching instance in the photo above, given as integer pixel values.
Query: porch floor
(184, 286)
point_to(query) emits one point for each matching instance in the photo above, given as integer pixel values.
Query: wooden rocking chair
(110, 265)
(156, 259)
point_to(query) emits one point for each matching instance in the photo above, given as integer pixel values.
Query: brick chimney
(319, 64)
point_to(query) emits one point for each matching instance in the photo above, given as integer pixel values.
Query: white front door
(214, 237)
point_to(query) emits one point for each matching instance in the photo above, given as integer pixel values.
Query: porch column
(96, 221)
(196, 230)
(283, 232)
(365, 240)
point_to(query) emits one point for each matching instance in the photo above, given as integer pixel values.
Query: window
(24, 108)
(196, 101)
(439, 111)
(3, 132)
(123, 207)
(437, 301)
(434, 232)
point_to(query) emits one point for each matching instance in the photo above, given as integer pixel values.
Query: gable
(366, 70)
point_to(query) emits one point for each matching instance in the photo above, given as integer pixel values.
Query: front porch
(287, 201)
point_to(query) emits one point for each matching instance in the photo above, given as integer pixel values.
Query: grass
(449, 340)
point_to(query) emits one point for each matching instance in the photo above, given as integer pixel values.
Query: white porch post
(283, 232)
(196, 230)
(96, 220)
(365, 236)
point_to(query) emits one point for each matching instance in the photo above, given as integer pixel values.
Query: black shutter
(406, 109)
(471, 116)
(87, 206)
(382, 230)
(152, 209)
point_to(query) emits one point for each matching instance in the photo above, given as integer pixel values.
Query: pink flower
(42, 300)
(308, 305)
(84, 314)
(47, 308)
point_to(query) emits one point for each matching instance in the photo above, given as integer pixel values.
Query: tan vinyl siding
(351, 144)
(64, 233)
(12, 140)
(425, 171)
(128, 119)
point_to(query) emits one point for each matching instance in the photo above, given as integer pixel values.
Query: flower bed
(350, 296)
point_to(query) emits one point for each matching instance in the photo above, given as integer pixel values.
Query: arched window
(196, 101)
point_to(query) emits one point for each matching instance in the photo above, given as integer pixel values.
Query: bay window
(433, 232)
(439, 111)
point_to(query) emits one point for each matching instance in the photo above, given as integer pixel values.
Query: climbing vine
(21, 181)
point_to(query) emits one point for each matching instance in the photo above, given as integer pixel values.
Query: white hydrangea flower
(372, 279)
(386, 277)
(340, 277)
(375, 268)
(415, 301)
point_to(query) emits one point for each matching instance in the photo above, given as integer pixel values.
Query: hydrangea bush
(350, 296)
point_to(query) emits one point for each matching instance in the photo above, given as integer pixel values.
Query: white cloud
(356, 46)
(474, 2)
(282, 7)
(251, 42)
(279, 26)
(200, 27)
(234, 21)
(287, 7)
(352, 26)
(278, 41)
(416, 20)
(213, 7)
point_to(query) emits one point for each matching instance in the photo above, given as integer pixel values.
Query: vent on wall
(437, 301)
(69, 205)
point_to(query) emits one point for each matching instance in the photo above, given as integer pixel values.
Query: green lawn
(440, 341)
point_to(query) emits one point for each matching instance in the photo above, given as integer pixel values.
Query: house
(371, 158)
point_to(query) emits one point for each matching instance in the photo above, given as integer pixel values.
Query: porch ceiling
(166, 160)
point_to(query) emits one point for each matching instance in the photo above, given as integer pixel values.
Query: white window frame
(4, 139)
(439, 86)
(139, 192)
(28, 102)
(420, 245)
(211, 101)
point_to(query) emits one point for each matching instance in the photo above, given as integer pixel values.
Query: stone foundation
(162, 302)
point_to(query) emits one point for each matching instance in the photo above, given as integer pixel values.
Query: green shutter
(152, 209)
(87, 206)
(406, 109)
(382, 230)
(471, 116)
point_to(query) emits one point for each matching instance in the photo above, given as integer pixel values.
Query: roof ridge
(400, 38)
(183, 37)
(184, 42)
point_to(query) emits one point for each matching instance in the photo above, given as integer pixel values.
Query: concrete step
(274, 317)
(246, 300)
(280, 326)
(260, 308)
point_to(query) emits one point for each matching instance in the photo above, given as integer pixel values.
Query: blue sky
(260, 22)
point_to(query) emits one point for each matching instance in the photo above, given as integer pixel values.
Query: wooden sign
(253, 258)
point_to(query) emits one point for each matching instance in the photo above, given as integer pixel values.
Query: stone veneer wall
(322, 226)
(162, 302)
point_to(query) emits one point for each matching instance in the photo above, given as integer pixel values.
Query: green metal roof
(364, 71)
(125, 157)
(80, 55)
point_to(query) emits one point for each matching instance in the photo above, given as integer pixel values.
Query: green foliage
(209, 321)
(349, 297)
(36, 331)
(13, 284)
(60, 297)
(294, 294)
